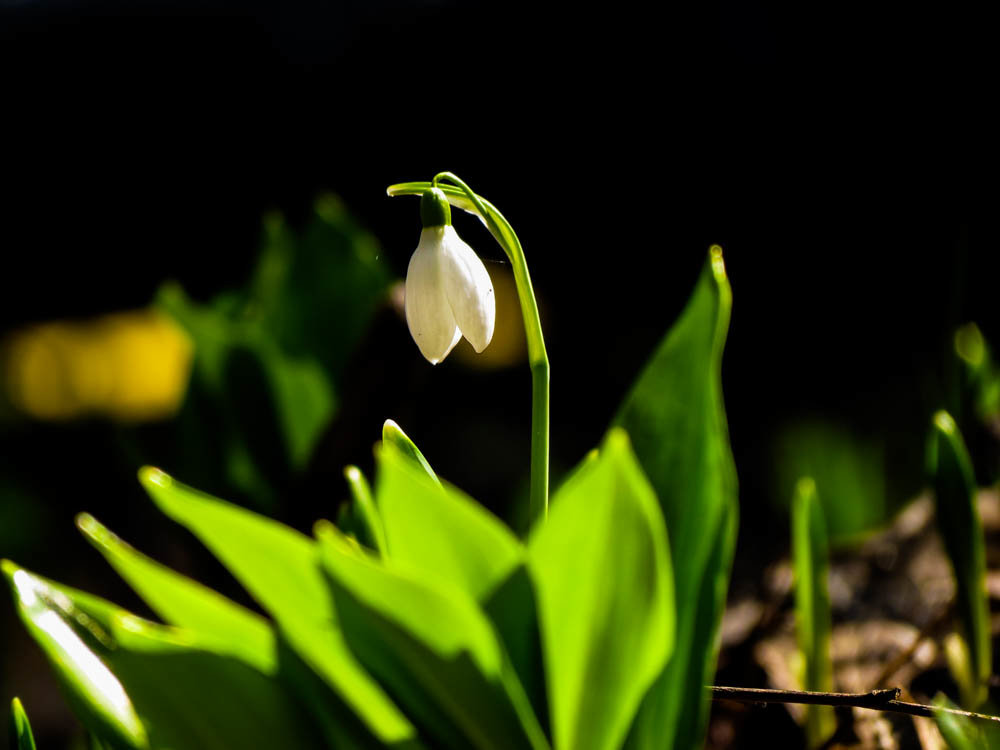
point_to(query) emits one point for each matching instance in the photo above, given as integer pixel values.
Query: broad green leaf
(438, 530)
(676, 420)
(20, 728)
(393, 435)
(812, 606)
(432, 647)
(94, 692)
(601, 568)
(166, 687)
(365, 517)
(186, 603)
(961, 530)
(279, 567)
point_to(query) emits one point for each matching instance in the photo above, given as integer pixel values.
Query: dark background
(835, 152)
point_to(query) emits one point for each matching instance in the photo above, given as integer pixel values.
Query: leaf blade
(604, 644)
(676, 419)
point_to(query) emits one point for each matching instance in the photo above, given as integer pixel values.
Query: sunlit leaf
(20, 728)
(94, 692)
(147, 685)
(365, 518)
(186, 603)
(962, 532)
(438, 530)
(812, 606)
(676, 420)
(601, 568)
(393, 435)
(279, 567)
(432, 647)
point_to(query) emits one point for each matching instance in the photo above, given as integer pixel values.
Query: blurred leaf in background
(951, 475)
(813, 625)
(248, 380)
(268, 357)
(977, 406)
(850, 469)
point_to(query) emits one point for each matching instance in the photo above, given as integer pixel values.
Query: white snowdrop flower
(448, 291)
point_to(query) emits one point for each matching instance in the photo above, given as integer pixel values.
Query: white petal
(428, 313)
(469, 290)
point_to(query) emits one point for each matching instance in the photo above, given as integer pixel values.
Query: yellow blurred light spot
(130, 366)
(508, 346)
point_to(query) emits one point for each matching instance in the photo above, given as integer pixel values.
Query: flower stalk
(461, 195)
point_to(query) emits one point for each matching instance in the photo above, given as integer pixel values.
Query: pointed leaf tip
(20, 728)
(151, 475)
(944, 422)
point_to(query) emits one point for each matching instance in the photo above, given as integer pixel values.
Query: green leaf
(20, 728)
(438, 530)
(601, 567)
(365, 517)
(962, 733)
(813, 623)
(676, 420)
(851, 468)
(393, 435)
(961, 530)
(513, 609)
(145, 685)
(279, 567)
(432, 647)
(186, 603)
(94, 692)
(268, 358)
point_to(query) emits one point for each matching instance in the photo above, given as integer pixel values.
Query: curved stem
(461, 195)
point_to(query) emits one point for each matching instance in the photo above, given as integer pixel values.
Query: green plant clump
(419, 619)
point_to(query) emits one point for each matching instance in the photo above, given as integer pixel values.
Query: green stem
(461, 195)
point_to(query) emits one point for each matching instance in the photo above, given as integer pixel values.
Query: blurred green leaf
(601, 567)
(140, 684)
(962, 733)
(676, 420)
(279, 567)
(849, 467)
(186, 603)
(432, 647)
(268, 358)
(20, 728)
(813, 623)
(438, 530)
(365, 517)
(982, 374)
(961, 530)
